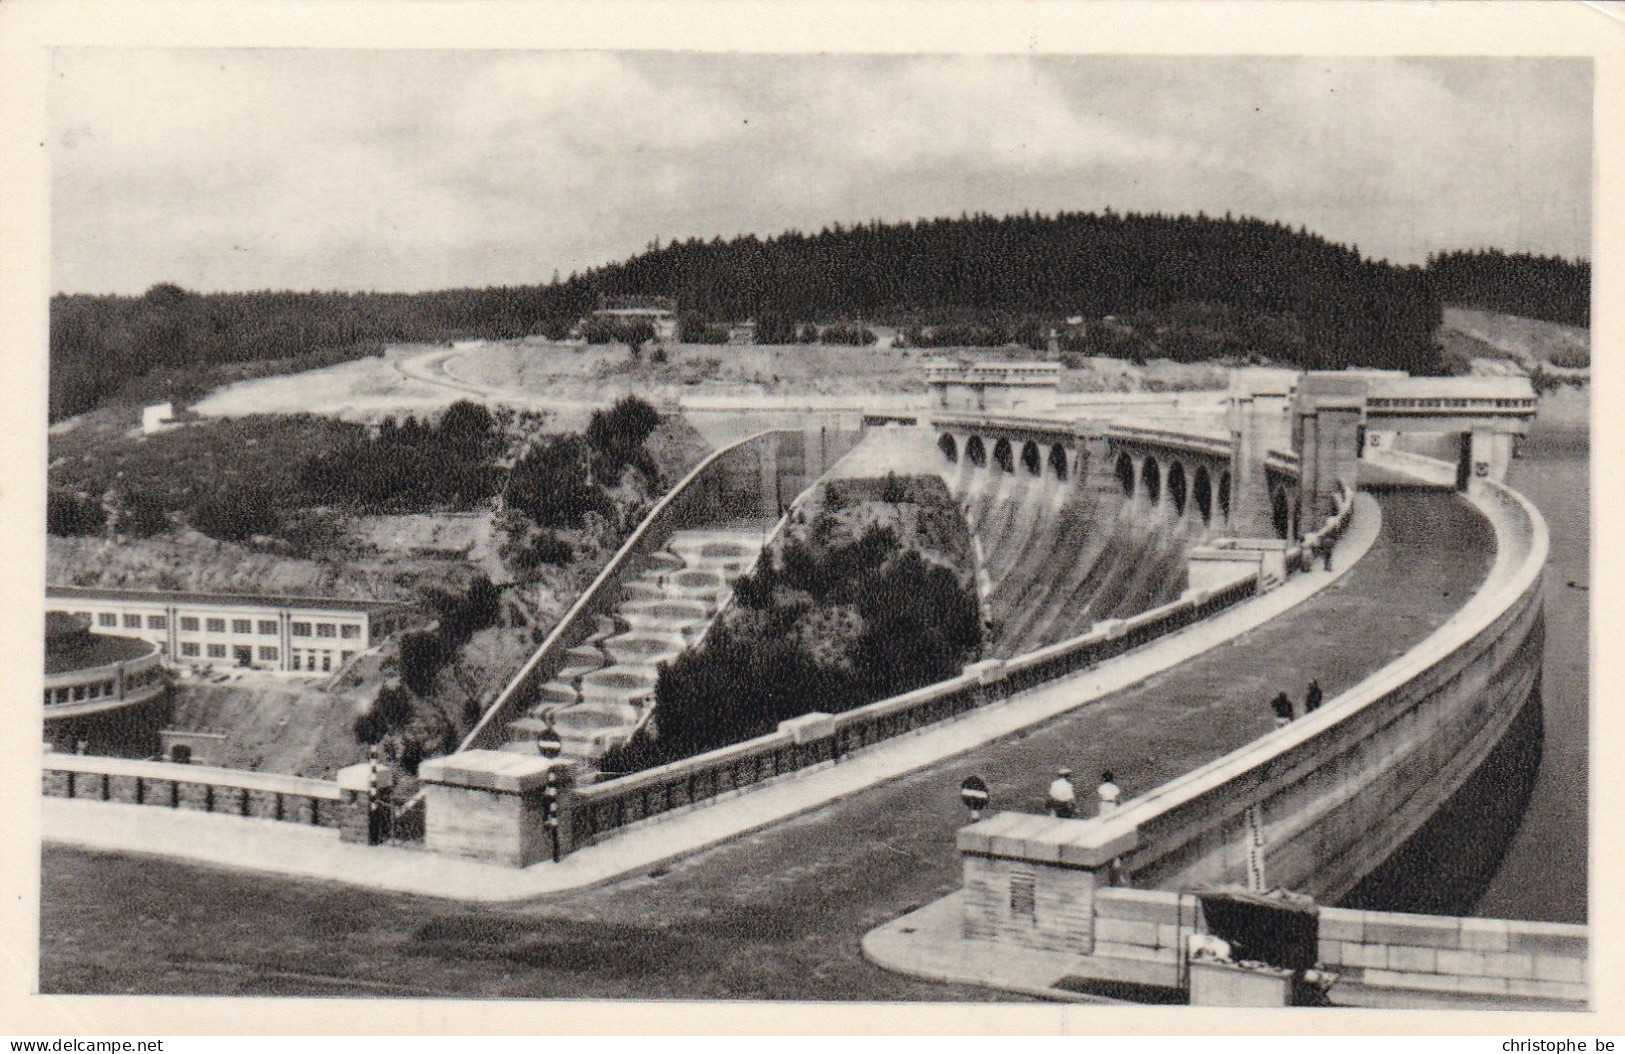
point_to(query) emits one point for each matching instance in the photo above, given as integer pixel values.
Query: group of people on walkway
(1282, 705)
(1063, 797)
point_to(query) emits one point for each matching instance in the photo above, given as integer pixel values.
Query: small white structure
(154, 418)
(997, 385)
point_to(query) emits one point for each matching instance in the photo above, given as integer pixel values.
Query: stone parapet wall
(253, 795)
(1513, 959)
(1144, 936)
(1336, 792)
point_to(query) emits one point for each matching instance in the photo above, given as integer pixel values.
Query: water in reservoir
(1512, 843)
(1543, 874)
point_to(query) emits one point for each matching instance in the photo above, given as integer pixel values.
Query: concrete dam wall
(1320, 804)
(1061, 546)
(1335, 794)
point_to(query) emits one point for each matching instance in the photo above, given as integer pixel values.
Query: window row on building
(239, 626)
(1387, 403)
(104, 687)
(285, 633)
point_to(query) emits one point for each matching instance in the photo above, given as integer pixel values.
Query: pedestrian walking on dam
(1312, 698)
(1283, 710)
(1063, 798)
(1326, 552)
(1109, 792)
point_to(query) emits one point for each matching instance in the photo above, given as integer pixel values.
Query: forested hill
(1353, 311)
(1253, 286)
(1544, 287)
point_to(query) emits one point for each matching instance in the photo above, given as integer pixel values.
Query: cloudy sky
(313, 169)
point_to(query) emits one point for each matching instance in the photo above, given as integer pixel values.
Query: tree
(461, 615)
(422, 655)
(140, 515)
(468, 428)
(617, 434)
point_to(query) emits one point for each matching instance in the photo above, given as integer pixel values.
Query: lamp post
(549, 745)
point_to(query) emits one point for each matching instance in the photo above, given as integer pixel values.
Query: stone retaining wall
(1143, 935)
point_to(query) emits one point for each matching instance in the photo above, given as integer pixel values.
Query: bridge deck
(781, 910)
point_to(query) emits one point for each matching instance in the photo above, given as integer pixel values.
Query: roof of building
(1451, 388)
(160, 596)
(83, 649)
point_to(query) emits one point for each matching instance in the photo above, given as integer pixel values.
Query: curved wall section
(1335, 794)
(1320, 804)
(112, 708)
(1074, 529)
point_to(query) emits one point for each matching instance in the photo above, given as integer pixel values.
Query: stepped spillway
(605, 692)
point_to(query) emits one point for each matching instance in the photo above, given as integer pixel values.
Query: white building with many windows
(305, 634)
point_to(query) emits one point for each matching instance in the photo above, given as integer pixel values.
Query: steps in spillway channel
(605, 690)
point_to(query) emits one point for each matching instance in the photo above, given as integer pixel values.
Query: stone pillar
(1310, 470)
(1491, 454)
(1030, 881)
(491, 805)
(1255, 423)
(769, 480)
(360, 787)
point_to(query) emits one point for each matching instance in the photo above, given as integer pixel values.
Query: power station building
(289, 633)
(106, 692)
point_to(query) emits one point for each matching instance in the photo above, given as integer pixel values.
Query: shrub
(693, 328)
(775, 328)
(603, 331)
(69, 513)
(411, 466)
(1032, 334)
(1572, 358)
(550, 483)
(854, 336)
(238, 514)
(556, 327)
(977, 335)
(545, 546)
(368, 728)
(411, 754)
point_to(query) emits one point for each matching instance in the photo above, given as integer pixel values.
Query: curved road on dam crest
(775, 914)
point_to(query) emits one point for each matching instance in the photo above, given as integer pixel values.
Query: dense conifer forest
(1543, 287)
(985, 274)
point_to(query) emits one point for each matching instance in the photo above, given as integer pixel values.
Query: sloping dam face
(1061, 546)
